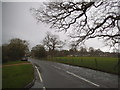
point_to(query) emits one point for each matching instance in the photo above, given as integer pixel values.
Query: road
(57, 75)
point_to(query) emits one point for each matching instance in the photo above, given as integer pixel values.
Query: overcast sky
(17, 22)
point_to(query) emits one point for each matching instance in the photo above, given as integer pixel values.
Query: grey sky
(17, 22)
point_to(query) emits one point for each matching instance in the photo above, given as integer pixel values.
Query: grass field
(107, 64)
(17, 76)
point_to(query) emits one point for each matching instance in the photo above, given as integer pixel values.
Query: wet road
(57, 75)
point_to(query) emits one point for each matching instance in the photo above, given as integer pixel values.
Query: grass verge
(17, 76)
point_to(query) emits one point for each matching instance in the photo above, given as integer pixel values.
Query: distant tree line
(51, 44)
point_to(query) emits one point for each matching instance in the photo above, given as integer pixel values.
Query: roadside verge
(29, 85)
(17, 75)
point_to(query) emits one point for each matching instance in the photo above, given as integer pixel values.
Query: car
(24, 59)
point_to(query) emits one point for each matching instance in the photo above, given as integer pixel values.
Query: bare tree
(52, 42)
(73, 46)
(99, 18)
(83, 51)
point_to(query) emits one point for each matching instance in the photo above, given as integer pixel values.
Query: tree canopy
(98, 18)
(15, 50)
(39, 51)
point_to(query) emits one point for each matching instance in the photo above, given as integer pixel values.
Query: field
(16, 76)
(106, 64)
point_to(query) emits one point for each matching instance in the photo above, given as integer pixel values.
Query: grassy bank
(106, 64)
(17, 76)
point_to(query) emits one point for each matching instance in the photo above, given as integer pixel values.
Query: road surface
(57, 75)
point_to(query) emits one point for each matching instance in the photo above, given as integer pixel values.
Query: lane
(105, 80)
(56, 75)
(83, 79)
(54, 78)
(77, 76)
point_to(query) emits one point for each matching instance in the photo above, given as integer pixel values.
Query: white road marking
(83, 79)
(39, 74)
(44, 88)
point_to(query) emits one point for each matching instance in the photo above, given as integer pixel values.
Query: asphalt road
(57, 75)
